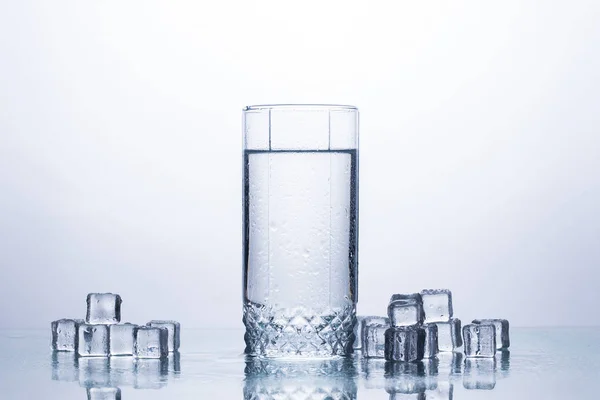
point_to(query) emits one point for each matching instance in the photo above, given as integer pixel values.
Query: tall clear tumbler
(300, 229)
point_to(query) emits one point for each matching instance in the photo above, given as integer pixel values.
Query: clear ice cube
(407, 296)
(480, 373)
(150, 342)
(104, 393)
(93, 340)
(362, 321)
(502, 337)
(437, 305)
(174, 329)
(64, 334)
(121, 339)
(103, 308)
(480, 340)
(405, 343)
(373, 340)
(405, 311)
(449, 335)
(431, 340)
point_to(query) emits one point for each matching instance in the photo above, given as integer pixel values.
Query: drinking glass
(300, 201)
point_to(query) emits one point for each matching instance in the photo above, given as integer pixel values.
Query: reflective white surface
(544, 363)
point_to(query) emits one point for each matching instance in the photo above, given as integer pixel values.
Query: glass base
(298, 332)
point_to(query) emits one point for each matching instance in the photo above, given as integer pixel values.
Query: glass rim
(301, 107)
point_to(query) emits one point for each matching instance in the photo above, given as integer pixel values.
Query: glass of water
(300, 204)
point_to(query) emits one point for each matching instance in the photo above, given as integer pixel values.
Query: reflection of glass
(300, 229)
(480, 373)
(278, 379)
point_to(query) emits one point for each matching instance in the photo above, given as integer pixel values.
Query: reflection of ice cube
(450, 364)
(121, 339)
(405, 310)
(93, 340)
(437, 305)
(151, 373)
(122, 371)
(407, 396)
(431, 340)
(449, 335)
(503, 359)
(173, 328)
(405, 343)
(64, 366)
(480, 373)
(374, 371)
(150, 342)
(405, 378)
(175, 363)
(443, 391)
(64, 334)
(502, 338)
(103, 308)
(373, 340)
(105, 393)
(94, 372)
(480, 340)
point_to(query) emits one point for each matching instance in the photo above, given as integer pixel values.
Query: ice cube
(405, 343)
(431, 340)
(104, 393)
(362, 321)
(93, 340)
(502, 338)
(150, 342)
(173, 327)
(480, 340)
(121, 339)
(64, 334)
(151, 373)
(437, 305)
(449, 335)
(480, 373)
(94, 372)
(103, 308)
(405, 310)
(373, 340)
(407, 296)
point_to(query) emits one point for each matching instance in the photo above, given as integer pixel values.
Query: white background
(120, 150)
